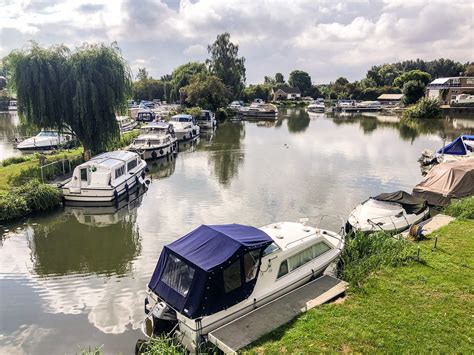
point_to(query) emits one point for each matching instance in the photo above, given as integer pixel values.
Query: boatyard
(185, 190)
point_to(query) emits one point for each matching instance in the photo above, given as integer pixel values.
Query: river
(76, 278)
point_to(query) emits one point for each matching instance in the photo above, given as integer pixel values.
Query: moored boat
(45, 140)
(459, 149)
(126, 123)
(207, 120)
(218, 273)
(105, 178)
(390, 212)
(185, 127)
(12, 105)
(316, 106)
(258, 109)
(156, 140)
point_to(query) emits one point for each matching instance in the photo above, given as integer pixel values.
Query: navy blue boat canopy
(209, 269)
(457, 147)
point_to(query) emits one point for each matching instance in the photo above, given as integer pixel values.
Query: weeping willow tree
(80, 90)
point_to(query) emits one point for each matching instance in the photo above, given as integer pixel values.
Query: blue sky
(326, 38)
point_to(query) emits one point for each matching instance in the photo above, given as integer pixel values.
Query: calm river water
(76, 278)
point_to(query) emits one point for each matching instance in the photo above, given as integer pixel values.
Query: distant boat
(45, 140)
(389, 212)
(235, 105)
(185, 127)
(316, 106)
(207, 120)
(105, 178)
(12, 105)
(156, 140)
(126, 123)
(258, 109)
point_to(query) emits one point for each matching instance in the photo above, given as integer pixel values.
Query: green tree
(469, 71)
(302, 80)
(413, 90)
(418, 75)
(80, 89)
(259, 91)
(148, 89)
(142, 74)
(226, 64)
(279, 78)
(206, 91)
(181, 77)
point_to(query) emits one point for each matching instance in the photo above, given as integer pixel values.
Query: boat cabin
(107, 169)
(160, 127)
(145, 116)
(183, 119)
(210, 269)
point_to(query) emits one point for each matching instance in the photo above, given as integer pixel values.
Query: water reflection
(68, 243)
(298, 120)
(162, 167)
(9, 130)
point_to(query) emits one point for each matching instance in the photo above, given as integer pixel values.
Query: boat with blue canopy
(459, 149)
(217, 273)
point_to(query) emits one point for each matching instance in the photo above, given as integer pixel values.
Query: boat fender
(127, 189)
(153, 155)
(161, 151)
(147, 181)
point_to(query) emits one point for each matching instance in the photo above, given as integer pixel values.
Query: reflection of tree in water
(368, 124)
(62, 245)
(225, 151)
(298, 120)
(161, 168)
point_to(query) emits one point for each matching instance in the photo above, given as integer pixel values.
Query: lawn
(422, 307)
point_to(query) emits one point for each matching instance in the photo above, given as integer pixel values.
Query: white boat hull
(149, 153)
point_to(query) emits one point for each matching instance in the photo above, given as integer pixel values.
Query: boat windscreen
(178, 275)
(411, 204)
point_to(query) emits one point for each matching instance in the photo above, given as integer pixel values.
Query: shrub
(425, 108)
(413, 90)
(13, 206)
(17, 160)
(365, 254)
(193, 111)
(463, 209)
(125, 140)
(222, 114)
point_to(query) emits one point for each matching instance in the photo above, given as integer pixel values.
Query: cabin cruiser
(218, 273)
(259, 109)
(12, 105)
(156, 139)
(316, 106)
(145, 115)
(45, 140)
(207, 120)
(185, 127)
(235, 105)
(369, 105)
(459, 149)
(105, 178)
(389, 212)
(126, 123)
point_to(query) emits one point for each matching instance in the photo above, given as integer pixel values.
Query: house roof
(394, 97)
(288, 90)
(440, 81)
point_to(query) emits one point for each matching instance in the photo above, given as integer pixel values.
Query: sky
(326, 38)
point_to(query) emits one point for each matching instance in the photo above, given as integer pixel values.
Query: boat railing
(379, 225)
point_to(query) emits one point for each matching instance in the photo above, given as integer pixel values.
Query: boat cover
(411, 204)
(192, 274)
(457, 147)
(446, 181)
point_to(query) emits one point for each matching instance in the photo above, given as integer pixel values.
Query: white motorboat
(207, 120)
(156, 140)
(390, 212)
(126, 123)
(45, 140)
(316, 106)
(105, 178)
(185, 127)
(258, 109)
(459, 149)
(218, 273)
(12, 105)
(235, 105)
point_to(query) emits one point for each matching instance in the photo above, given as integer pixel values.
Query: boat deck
(243, 331)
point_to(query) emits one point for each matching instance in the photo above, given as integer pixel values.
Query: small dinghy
(218, 273)
(391, 212)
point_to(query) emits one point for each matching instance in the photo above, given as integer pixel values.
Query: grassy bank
(419, 307)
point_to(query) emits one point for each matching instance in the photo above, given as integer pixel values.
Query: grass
(463, 209)
(419, 307)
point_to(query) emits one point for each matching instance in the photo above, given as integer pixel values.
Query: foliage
(206, 91)
(279, 78)
(301, 80)
(125, 140)
(142, 74)
(161, 345)
(469, 70)
(30, 197)
(259, 91)
(80, 89)
(425, 108)
(365, 254)
(463, 209)
(413, 90)
(193, 111)
(225, 63)
(18, 159)
(223, 113)
(181, 77)
(149, 89)
(417, 75)
(418, 308)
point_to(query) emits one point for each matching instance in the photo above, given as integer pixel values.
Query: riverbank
(421, 307)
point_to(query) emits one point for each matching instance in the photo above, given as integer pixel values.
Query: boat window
(139, 141)
(84, 174)
(232, 276)
(251, 264)
(270, 249)
(320, 249)
(154, 142)
(132, 164)
(307, 255)
(283, 269)
(119, 172)
(178, 275)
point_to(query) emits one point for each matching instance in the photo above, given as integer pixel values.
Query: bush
(425, 108)
(125, 140)
(222, 114)
(17, 160)
(13, 206)
(413, 90)
(462, 209)
(193, 111)
(365, 254)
